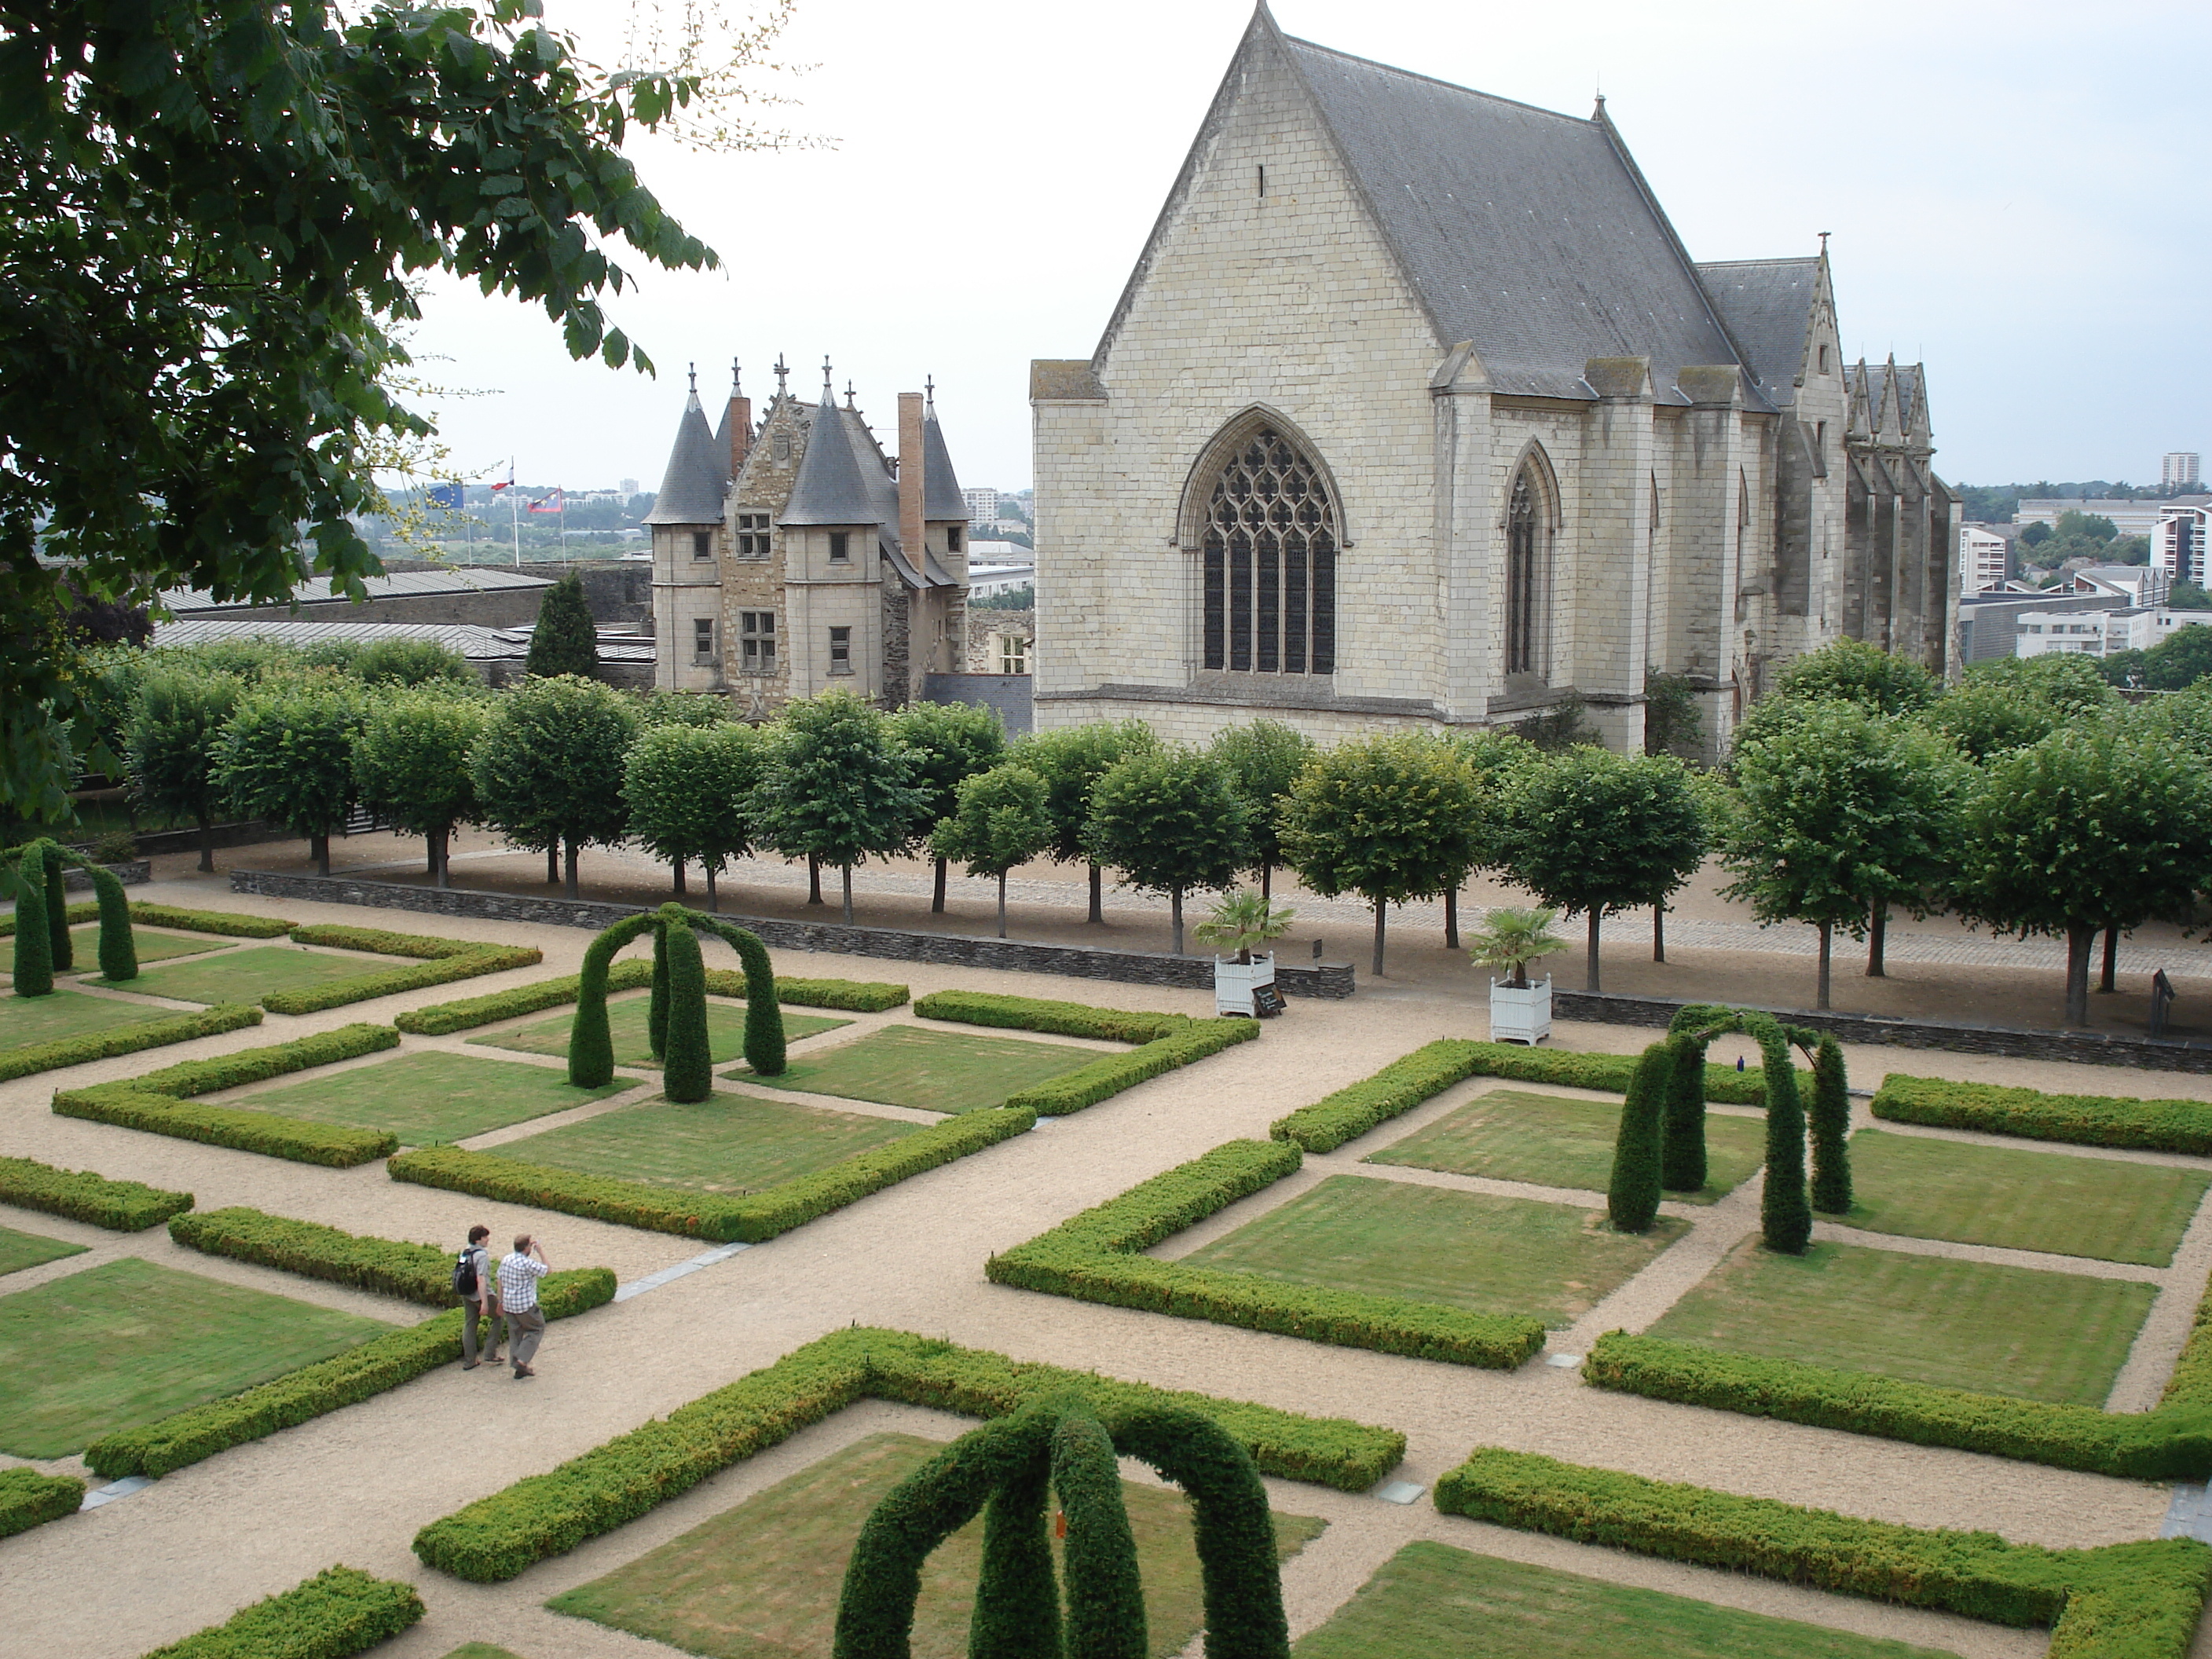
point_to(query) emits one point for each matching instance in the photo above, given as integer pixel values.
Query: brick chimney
(910, 477)
(740, 421)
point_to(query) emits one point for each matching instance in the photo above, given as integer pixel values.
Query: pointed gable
(832, 487)
(941, 498)
(1767, 306)
(692, 489)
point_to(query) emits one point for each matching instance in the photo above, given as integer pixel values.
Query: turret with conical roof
(692, 489)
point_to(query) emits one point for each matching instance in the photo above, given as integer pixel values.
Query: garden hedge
(1095, 1257)
(123, 1206)
(2158, 1126)
(339, 1612)
(1109, 1074)
(634, 973)
(1430, 1069)
(2135, 1600)
(28, 1057)
(230, 923)
(443, 960)
(1077, 1019)
(497, 1537)
(414, 1273)
(360, 1373)
(722, 1218)
(160, 1101)
(29, 1499)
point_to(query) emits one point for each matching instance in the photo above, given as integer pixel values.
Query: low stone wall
(2078, 1047)
(1330, 980)
(131, 875)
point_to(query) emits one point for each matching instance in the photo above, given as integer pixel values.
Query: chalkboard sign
(1267, 1001)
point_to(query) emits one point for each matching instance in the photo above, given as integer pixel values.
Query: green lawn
(145, 943)
(1506, 1255)
(430, 1097)
(2027, 1201)
(2059, 1337)
(1445, 1603)
(626, 1021)
(933, 1071)
(1510, 1135)
(248, 975)
(128, 1342)
(761, 1581)
(66, 1014)
(728, 1144)
(21, 1251)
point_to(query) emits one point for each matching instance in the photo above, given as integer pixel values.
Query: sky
(2015, 194)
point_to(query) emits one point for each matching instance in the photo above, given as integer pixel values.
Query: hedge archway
(677, 1019)
(43, 946)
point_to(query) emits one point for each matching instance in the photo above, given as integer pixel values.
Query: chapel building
(1415, 413)
(793, 554)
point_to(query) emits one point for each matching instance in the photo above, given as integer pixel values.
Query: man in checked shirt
(518, 1274)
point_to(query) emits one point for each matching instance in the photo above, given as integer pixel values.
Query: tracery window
(1270, 562)
(1524, 575)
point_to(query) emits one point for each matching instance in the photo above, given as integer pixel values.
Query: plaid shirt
(517, 1282)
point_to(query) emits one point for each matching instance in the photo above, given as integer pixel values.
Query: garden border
(443, 961)
(122, 1207)
(29, 1499)
(182, 1025)
(223, 924)
(340, 1611)
(860, 996)
(498, 1537)
(1076, 1019)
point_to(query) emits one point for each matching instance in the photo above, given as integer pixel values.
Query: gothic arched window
(1269, 546)
(1526, 537)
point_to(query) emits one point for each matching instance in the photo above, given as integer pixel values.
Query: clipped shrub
(231, 924)
(2159, 1126)
(857, 996)
(497, 1537)
(1632, 1192)
(123, 1206)
(1830, 1121)
(444, 1018)
(1785, 1218)
(1076, 1019)
(414, 1273)
(590, 1042)
(1109, 1074)
(29, 1499)
(340, 1611)
(26, 1058)
(118, 952)
(764, 1044)
(1683, 1167)
(360, 1373)
(723, 1217)
(688, 1071)
(1095, 1257)
(443, 960)
(33, 963)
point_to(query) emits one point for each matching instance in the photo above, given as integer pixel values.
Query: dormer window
(702, 544)
(841, 547)
(952, 539)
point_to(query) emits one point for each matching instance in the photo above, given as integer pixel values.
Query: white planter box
(1235, 982)
(1520, 1016)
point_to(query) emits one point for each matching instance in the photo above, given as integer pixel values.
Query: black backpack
(465, 1273)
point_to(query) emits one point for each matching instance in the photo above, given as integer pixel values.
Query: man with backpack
(478, 1289)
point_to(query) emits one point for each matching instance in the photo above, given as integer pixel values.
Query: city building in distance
(2177, 469)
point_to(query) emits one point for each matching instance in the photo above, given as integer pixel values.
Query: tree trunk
(846, 871)
(1175, 916)
(1002, 897)
(207, 847)
(1659, 932)
(1877, 941)
(1266, 883)
(570, 862)
(937, 899)
(319, 848)
(2079, 938)
(432, 869)
(814, 877)
(441, 856)
(553, 863)
(2105, 982)
(1381, 909)
(1590, 978)
(1827, 958)
(1097, 912)
(677, 865)
(1451, 917)
(713, 899)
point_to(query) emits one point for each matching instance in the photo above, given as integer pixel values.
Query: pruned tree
(1167, 819)
(410, 662)
(170, 737)
(951, 743)
(1590, 832)
(1389, 819)
(548, 767)
(689, 788)
(1494, 758)
(835, 786)
(287, 756)
(1071, 759)
(1986, 718)
(565, 640)
(1852, 670)
(410, 765)
(999, 819)
(1262, 761)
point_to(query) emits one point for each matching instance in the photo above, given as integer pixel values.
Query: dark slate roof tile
(692, 489)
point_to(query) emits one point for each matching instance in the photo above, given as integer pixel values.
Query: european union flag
(447, 496)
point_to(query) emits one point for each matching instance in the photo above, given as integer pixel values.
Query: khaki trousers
(525, 1326)
(471, 1311)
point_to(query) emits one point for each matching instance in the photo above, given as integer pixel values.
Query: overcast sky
(2016, 194)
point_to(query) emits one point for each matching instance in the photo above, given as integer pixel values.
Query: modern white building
(982, 506)
(1983, 559)
(2179, 467)
(2177, 544)
(2129, 518)
(2103, 633)
(998, 572)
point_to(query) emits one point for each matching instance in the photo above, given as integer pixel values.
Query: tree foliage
(410, 764)
(999, 819)
(1986, 718)
(2068, 683)
(1262, 761)
(566, 640)
(287, 756)
(689, 788)
(410, 662)
(548, 767)
(835, 784)
(170, 737)
(949, 743)
(1168, 820)
(1071, 759)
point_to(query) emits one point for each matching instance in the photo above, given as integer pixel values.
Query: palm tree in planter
(1238, 922)
(1511, 940)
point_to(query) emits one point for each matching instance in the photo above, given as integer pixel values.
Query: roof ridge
(1812, 259)
(1436, 81)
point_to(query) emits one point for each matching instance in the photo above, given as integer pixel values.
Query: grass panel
(248, 975)
(149, 946)
(127, 1342)
(1493, 1255)
(729, 1143)
(1511, 1134)
(430, 1097)
(2057, 1337)
(761, 1581)
(2024, 1200)
(1446, 1603)
(65, 1014)
(626, 1022)
(930, 1070)
(21, 1250)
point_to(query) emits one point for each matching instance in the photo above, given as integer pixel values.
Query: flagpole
(514, 513)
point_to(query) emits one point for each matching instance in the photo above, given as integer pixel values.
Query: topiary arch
(677, 1021)
(1006, 1469)
(43, 946)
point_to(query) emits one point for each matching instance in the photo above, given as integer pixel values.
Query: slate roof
(475, 642)
(692, 489)
(941, 497)
(832, 486)
(1767, 305)
(404, 584)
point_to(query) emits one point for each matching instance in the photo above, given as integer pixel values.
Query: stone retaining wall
(131, 875)
(1330, 980)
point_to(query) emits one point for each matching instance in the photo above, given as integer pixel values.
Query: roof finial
(782, 374)
(929, 393)
(737, 379)
(828, 390)
(1824, 243)
(848, 394)
(694, 381)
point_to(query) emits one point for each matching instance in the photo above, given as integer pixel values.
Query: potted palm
(1511, 940)
(1238, 922)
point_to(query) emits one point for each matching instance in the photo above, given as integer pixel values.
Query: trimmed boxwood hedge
(723, 1217)
(123, 1206)
(1109, 1074)
(2159, 1126)
(28, 1057)
(2135, 1600)
(1078, 1019)
(231, 924)
(160, 1101)
(1095, 1257)
(497, 1537)
(631, 973)
(443, 960)
(414, 1273)
(29, 1499)
(360, 1373)
(339, 1612)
